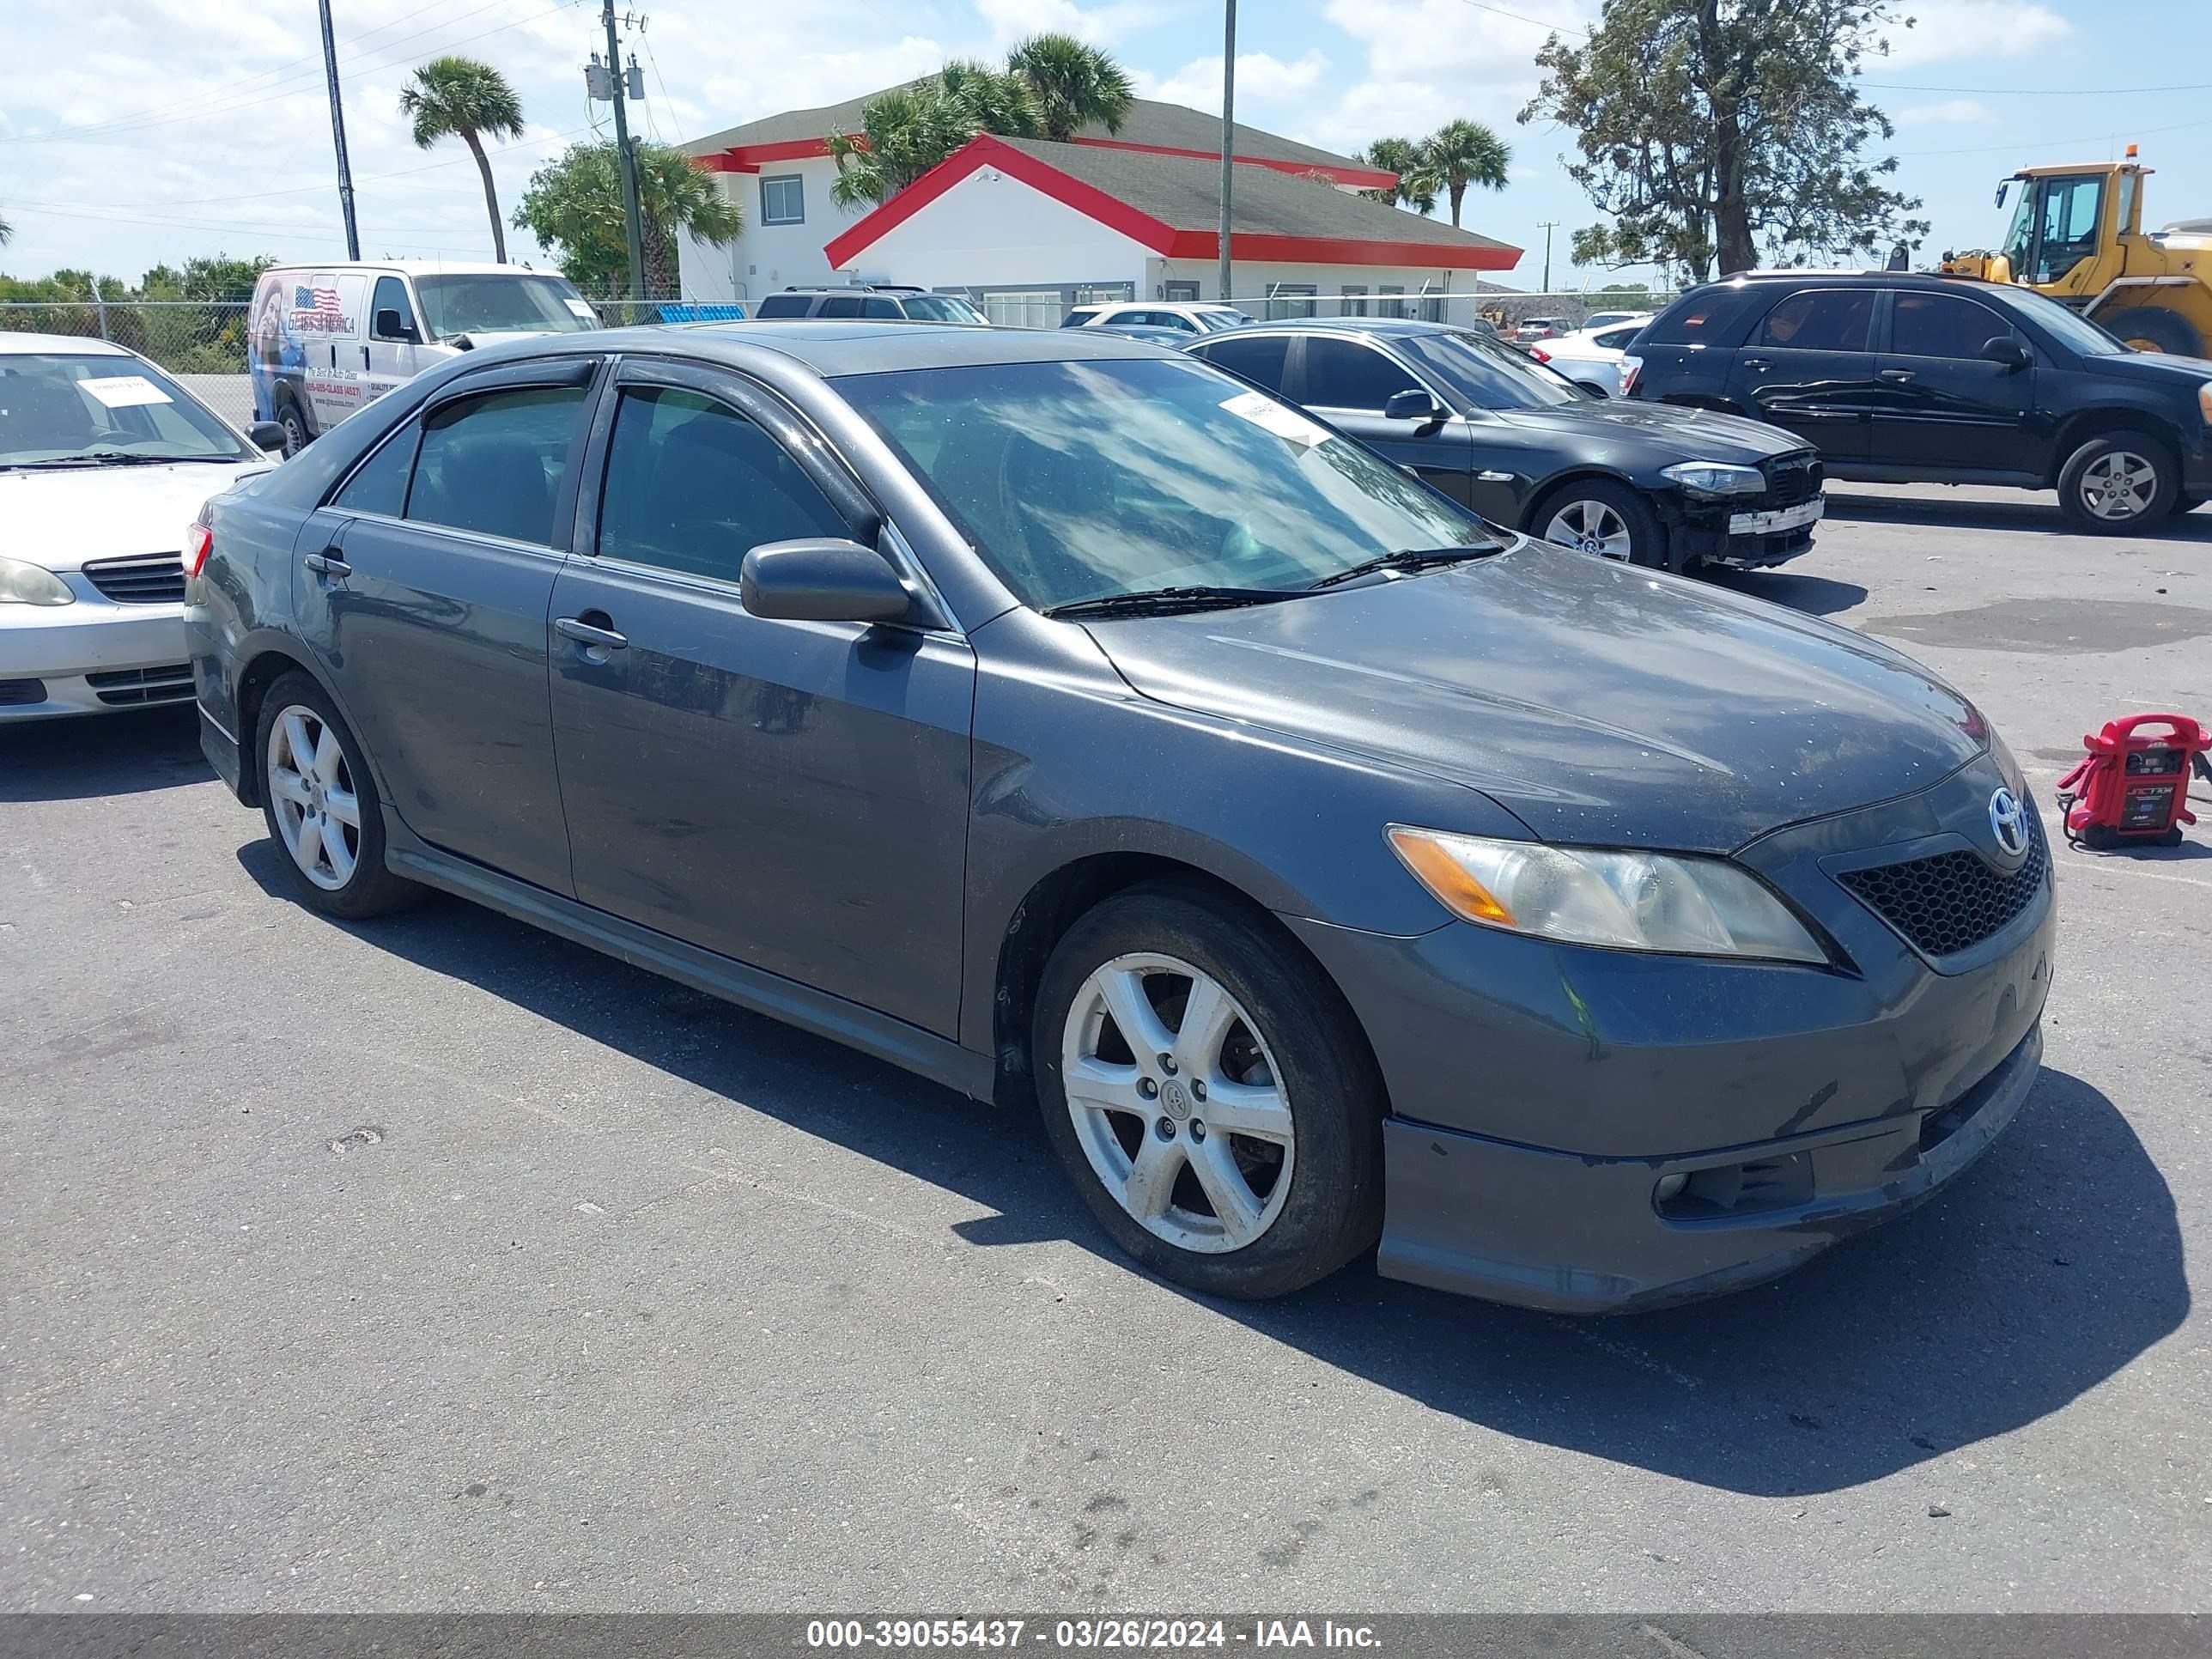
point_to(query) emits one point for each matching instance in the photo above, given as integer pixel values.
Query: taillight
(199, 542)
(1630, 367)
(1540, 354)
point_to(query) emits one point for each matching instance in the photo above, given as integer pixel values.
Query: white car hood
(62, 519)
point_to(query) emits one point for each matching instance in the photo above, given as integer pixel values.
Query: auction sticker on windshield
(582, 309)
(125, 390)
(1278, 418)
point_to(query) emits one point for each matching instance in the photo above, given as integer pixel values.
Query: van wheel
(1607, 519)
(321, 805)
(1210, 1094)
(2119, 482)
(296, 435)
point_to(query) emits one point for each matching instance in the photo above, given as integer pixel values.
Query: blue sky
(152, 130)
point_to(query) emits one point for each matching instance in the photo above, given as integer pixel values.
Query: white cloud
(1431, 61)
(1950, 112)
(1970, 29)
(1010, 20)
(1261, 79)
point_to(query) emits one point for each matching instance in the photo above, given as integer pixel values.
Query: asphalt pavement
(437, 1264)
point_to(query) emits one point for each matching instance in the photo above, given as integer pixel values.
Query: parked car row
(1004, 655)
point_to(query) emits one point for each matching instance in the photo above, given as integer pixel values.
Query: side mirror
(391, 325)
(1413, 404)
(267, 435)
(2008, 353)
(823, 579)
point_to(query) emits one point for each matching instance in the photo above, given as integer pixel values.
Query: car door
(1347, 381)
(392, 354)
(791, 795)
(430, 620)
(326, 312)
(1941, 404)
(1808, 368)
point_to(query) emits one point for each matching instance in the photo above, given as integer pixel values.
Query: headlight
(31, 584)
(1700, 907)
(1715, 478)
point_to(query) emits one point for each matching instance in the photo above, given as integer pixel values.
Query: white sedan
(1590, 357)
(103, 463)
(1185, 316)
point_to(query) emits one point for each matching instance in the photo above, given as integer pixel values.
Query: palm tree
(1416, 185)
(904, 133)
(997, 100)
(460, 98)
(1074, 85)
(1462, 153)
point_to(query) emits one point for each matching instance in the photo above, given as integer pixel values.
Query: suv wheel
(1604, 519)
(2119, 482)
(321, 805)
(1209, 1095)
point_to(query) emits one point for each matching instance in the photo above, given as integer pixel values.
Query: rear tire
(2119, 482)
(2152, 328)
(320, 802)
(1259, 1210)
(1602, 518)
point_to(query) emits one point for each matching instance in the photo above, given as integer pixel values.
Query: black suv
(879, 302)
(1904, 379)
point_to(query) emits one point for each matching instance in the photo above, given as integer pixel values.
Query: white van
(325, 341)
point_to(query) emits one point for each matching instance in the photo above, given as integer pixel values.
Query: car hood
(2159, 367)
(1687, 435)
(61, 519)
(1597, 702)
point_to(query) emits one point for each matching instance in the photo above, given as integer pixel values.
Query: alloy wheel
(2119, 485)
(1591, 526)
(311, 787)
(1176, 1102)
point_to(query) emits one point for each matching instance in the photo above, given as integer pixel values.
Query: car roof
(24, 345)
(1919, 279)
(418, 268)
(847, 346)
(1392, 325)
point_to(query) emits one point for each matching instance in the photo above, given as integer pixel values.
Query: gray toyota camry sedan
(1064, 721)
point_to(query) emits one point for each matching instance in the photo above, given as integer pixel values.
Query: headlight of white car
(1715, 477)
(31, 584)
(1686, 906)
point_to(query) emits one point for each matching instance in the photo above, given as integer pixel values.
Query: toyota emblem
(2008, 822)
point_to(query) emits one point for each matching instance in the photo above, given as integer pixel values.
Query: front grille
(1789, 479)
(156, 579)
(14, 694)
(125, 686)
(1952, 902)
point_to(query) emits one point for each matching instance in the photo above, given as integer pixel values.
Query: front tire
(2119, 482)
(320, 804)
(1209, 1094)
(2153, 328)
(1603, 518)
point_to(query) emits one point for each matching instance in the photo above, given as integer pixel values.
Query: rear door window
(1347, 374)
(1263, 360)
(840, 305)
(1942, 325)
(1819, 319)
(379, 484)
(783, 305)
(494, 464)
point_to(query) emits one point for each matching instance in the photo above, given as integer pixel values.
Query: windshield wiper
(113, 457)
(1414, 558)
(1163, 601)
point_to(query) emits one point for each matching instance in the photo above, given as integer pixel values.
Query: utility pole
(1547, 226)
(1228, 131)
(631, 223)
(337, 135)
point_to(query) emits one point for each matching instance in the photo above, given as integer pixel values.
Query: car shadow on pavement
(78, 758)
(2038, 1274)
(1816, 596)
(2033, 510)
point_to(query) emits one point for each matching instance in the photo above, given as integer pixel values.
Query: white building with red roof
(1028, 228)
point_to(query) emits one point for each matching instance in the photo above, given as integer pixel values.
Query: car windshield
(70, 408)
(942, 308)
(495, 303)
(1221, 320)
(1489, 375)
(1079, 480)
(2065, 324)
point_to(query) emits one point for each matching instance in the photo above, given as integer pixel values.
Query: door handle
(1897, 376)
(584, 633)
(327, 563)
(1757, 362)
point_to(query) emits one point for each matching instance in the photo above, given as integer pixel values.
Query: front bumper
(1748, 537)
(93, 657)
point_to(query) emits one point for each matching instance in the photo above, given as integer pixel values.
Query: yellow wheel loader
(2076, 235)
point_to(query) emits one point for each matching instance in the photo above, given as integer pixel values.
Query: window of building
(1386, 306)
(1819, 319)
(1942, 325)
(1023, 308)
(694, 486)
(493, 464)
(1186, 293)
(783, 199)
(1290, 300)
(1346, 375)
(1354, 301)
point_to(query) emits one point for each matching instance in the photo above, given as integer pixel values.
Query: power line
(462, 160)
(2043, 92)
(2048, 144)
